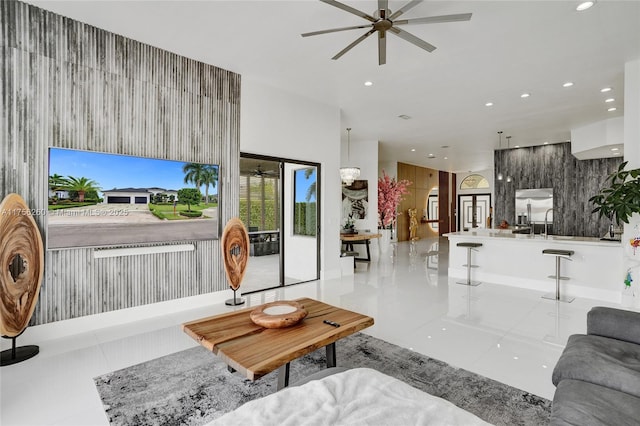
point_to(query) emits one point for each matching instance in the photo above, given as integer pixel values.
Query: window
(474, 182)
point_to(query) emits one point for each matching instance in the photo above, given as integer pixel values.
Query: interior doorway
(279, 206)
(473, 211)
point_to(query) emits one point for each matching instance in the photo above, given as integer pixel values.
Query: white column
(632, 155)
(632, 113)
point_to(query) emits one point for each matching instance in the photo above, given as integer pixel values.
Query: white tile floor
(508, 334)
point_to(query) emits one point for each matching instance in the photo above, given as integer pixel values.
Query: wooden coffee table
(255, 351)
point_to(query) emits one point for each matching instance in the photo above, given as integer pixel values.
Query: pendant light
(509, 179)
(349, 174)
(500, 177)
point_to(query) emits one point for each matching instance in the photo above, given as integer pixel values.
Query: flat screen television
(98, 199)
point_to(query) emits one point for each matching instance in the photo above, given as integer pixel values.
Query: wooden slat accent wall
(423, 180)
(553, 166)
(70, 85)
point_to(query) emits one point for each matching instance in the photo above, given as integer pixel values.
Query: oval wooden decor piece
(22, 260)
(279, 314)
(235, 251)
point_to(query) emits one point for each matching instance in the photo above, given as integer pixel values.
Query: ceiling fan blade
(383, 4)
(349, 9)
(412, 39)
(435, 19)
(404, 8)
(352, 45)
(355, 27)
(382, 47)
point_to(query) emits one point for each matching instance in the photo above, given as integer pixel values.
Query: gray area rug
(193, 387)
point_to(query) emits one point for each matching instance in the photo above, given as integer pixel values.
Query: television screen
(109, 200)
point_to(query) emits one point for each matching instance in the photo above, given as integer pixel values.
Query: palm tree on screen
(209, 177)
(194, 173)
(57, 182)
(81, 185)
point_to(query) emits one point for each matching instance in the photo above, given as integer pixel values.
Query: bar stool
(469, 247)
(559, 254)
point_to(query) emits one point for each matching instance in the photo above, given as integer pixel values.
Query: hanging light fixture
(349, 174)
(509, 179)
(500, 177)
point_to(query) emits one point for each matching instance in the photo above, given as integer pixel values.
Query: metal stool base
(469, 283)
(552, 296)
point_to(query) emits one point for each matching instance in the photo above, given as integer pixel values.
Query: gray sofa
(597, 378)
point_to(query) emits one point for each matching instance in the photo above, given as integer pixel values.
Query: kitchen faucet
(546, 234)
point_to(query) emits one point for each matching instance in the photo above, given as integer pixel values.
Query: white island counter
(595, 270)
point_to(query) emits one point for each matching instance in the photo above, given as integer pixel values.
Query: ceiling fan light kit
(384, 20)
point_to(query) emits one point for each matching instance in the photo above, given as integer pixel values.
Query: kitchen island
(595, 269)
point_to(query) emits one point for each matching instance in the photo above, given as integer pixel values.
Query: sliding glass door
(280, 208)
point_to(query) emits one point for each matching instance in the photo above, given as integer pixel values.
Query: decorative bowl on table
(281, 314)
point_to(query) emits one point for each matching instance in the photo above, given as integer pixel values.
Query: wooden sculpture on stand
(22, 264)
(235, 253)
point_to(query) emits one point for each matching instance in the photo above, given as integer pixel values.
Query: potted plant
(621, 198)
(390, 194)
(349, 226)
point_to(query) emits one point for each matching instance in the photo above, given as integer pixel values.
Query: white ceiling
(508, 48)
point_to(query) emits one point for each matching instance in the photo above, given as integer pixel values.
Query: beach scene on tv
(108, 200)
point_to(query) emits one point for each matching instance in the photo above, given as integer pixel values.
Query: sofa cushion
(602, 361)
(615, 323)
(579, 403)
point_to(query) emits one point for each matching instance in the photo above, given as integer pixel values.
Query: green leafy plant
(189, 196)
(621, 198)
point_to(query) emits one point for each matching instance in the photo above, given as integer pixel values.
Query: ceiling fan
(258, 172)
(383, 21)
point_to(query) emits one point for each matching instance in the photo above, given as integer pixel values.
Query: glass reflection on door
(260, 201)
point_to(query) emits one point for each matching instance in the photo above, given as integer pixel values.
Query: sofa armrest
(614, 323)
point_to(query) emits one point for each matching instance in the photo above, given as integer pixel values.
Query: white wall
(282, 124)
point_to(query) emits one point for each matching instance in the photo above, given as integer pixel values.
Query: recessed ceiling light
(615, 149)
(413, 150)
(616, 153)
(567, 84)
(404, 117)
(585, 5)
(446, 158)
(546, 143)
(612, 109)
(368, 83)
(605, 89)
(517, 146)
(525, 95)
(489, 104)
(609, 100)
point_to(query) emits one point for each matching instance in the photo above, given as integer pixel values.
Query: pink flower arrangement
(390, 194)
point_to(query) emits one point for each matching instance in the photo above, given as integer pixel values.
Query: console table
(364, 238)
